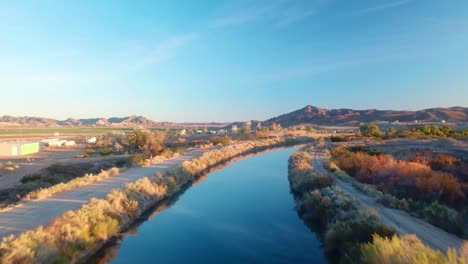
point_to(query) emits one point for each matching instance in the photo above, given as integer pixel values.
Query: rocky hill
(320, 116)
(130, 121)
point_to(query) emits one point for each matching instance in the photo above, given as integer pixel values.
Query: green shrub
(444, 217)
(371, 130)
(337, 138)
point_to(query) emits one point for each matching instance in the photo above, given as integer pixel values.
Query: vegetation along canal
(243, 213)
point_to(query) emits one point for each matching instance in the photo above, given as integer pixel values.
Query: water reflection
(241, 214)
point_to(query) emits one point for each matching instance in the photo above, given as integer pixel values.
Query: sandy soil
(400, 220)
(42, 212)
(37, 162)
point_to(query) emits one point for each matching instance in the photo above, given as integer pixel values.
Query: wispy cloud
(311, 69)
(166, 49)
(331, 65)
(110, 68)
(295, 15)
(278, 13)
(387, 5)
(245, 15)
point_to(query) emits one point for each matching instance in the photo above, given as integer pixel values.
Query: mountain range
(307, 115)
(321, 116)
(130, 121)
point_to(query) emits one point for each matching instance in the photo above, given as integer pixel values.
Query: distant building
(183, 132)
(69, 143)
(234, 129)
(47, 140)
(259, 126)
(19, 148)
(56, 143)
(92, 140)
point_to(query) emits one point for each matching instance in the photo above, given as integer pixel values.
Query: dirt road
(400, 220)
(42, 212)
(40, 161)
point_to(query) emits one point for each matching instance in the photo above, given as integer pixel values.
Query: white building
(91, 140)
(69, 143)
(19, 148)
(56, 143)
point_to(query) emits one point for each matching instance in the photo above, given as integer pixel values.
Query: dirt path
(400, 220)
(42, 212)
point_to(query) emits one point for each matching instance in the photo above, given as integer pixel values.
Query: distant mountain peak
(314, 109)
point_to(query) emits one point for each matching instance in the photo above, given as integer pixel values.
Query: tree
(259, 126)
(275, 127)
(155, 142)
(371, 130)
(247, 127)
(138, 138)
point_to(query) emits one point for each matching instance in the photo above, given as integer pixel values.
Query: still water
(243, 213)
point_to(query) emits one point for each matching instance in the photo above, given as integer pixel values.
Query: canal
(243, 213)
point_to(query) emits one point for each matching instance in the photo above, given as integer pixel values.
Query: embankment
(350, 233)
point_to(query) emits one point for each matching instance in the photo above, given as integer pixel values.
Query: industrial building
(19, 148)
(55, 142)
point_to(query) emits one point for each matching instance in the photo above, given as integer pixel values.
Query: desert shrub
(337, 138)
(345, 238)
(77, 182)
(442, 216)
(401, 178)
(57, 178)
(409, 186)
(371, 130)
(137, 158)
(224, 141)
(443, 162)
(432, 131)
(331, 166)
(393, 202)
(367, 150)
(346, 225)
(302, 177)
(407, 250)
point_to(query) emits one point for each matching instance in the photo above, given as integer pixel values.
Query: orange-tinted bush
(401, 178)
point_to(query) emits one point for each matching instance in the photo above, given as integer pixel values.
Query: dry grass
(75, 183)
(409, 250)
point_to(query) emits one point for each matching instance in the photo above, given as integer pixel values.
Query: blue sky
(229, 60)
